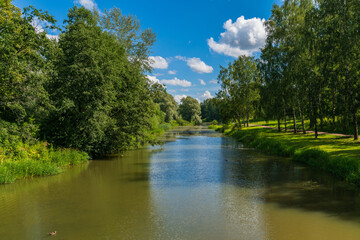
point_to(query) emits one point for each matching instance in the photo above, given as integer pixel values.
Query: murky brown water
(198, 186)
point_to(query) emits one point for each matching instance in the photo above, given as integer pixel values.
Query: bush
(196, 119)
(183, 122)
(174, 123)
(19, 160)
(215, 122)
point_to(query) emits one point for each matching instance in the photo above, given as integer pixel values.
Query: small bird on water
(52, 233)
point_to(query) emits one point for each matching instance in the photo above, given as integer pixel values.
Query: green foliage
(239, 92)
(196, 119)
(19, 159)
(103, 104)
(165, 100)
(189, 109)
(126, 29)
(210, 109)
(182, 122)
(309, 64)
(215, 122)
(23, 63)
(87, 91)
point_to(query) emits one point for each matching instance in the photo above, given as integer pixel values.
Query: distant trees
(166, 102)
(210, 110)
(190, 110)
(239, 92)
(308, 68)
(309, 59)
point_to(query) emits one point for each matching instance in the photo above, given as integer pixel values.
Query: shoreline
(334, 154)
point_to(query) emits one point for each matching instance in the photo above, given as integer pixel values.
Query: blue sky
(194, 37)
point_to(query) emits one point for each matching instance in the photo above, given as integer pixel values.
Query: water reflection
(198, 185)
(224, 191)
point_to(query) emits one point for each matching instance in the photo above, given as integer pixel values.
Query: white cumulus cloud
(179, 97)
(202, 82)
(196, 64)
(158, 62)
(176, 82)
(243, 37)
(199, 66)
(172, 72)
(153, 79)
(173, 82)
(206, 95)
(88, 4)
(213, 81)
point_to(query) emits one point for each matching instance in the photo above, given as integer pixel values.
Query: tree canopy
(85, 90)
(308, 68)
(190, 110)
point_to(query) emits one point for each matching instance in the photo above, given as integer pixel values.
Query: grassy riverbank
(326, 126)
(20, 160)
(337, 155)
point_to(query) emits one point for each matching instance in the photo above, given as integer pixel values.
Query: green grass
(337, 155)
(327, 126)
(19, 160)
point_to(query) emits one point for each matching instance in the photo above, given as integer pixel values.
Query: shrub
(215, 122)
(196, 120)
(19, 160)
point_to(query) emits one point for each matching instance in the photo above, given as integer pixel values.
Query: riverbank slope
(336, 154)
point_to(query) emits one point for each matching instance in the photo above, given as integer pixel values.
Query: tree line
(308, 69)
(87, 88)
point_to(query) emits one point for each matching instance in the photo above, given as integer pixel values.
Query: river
(198, 185)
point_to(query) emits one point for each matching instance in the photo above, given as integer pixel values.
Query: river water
(198, 185)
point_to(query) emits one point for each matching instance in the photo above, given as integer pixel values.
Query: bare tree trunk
(244, 122)
(333, 109)
(294, 117)
(345, 118)
(279, 126)
(345, 123)
(316, 129)
(320, 113)
(356, 131)
(311, 114)
(238, 119)
(285, 120)
(247, 119)
(302, 121)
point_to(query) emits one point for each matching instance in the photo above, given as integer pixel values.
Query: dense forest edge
(78, 95)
